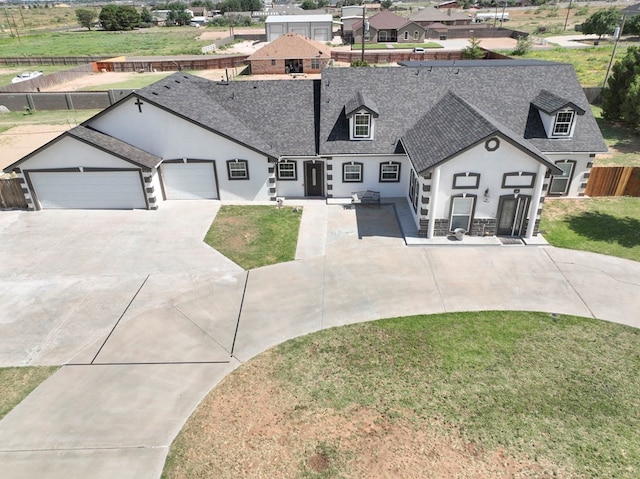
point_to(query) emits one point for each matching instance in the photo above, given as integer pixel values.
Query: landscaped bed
(481, 394)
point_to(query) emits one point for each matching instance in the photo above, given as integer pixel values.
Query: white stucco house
(476, 145)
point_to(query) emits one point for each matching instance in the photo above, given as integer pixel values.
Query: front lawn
(254, 236)
(477, 394)
(608, 225)
(623, 144)
(17, 383)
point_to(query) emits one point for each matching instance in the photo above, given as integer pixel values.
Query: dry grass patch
(17, 383)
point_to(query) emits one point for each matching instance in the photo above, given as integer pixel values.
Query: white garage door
(89, 189)
(321, 35)
(189, 181)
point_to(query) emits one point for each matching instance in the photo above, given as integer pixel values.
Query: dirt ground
(252, 427)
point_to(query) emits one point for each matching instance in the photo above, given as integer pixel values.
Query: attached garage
(88, 189)
(190, 180)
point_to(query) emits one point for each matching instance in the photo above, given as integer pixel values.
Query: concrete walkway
(169, 326)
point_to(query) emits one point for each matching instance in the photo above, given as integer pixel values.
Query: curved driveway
(146, 319)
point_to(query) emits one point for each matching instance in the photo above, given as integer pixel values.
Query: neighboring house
(349, 15)
(386, 26)
(427, 15)
(291, 53)
(315, 27)
(475, 145)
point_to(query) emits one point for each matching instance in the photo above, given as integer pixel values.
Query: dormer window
(563, 125)
(361, 112)
(558, 114)
(361, 125)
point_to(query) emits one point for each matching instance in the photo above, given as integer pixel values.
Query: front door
(313, 178)
(512, 213)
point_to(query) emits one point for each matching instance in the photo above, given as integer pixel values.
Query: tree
(145, 16)
(386, 4)
(119, 17)
(602, 22)
(473, 51)
(308, 5)
(178, 14)
(621, 97)
(632, 25)
(523, 45)
(85, 17)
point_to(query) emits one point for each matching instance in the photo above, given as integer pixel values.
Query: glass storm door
(512, 215)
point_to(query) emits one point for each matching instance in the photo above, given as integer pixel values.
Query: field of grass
(624, 145)
(147, 41)
(254, 236)
(53, 117)
(17, 383)
(608, 226)
(521, 394)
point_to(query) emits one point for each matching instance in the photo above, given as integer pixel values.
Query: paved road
(146, 319)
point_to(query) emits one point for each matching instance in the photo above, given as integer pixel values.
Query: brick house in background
(291, 53)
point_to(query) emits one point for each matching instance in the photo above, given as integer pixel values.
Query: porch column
(535, 200)
(433, 202)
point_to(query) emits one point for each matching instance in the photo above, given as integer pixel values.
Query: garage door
(89, 189)
(321, 35)
(189, 181)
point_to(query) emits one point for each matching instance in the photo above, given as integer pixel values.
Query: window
(389, 172)
(559, 184)
(238, 169)
(287, 170)
(467, 180)
(563, 124)
(352, 172)
(406, 35)
(382, 36)
(414, 186)
(315, 64)
(416, 35)
(273, 62)
(361, 125)
(461, 212)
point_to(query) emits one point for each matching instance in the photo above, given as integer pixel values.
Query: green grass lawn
(147, 41)
(45, 117)
(556, 393)
(17, 383)
(608, 225)
(624, 145)
(590, 63)
(254, 236)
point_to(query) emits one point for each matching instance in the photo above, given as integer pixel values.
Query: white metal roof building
(315, 27)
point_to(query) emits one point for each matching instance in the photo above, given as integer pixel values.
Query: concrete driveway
(147, 319)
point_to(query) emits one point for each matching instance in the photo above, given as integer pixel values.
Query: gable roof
(432, 14)
(291, 45)
(103, 142)
(551, 103)
(453, 125)
(269, 116)
(384, 20)
(502, 91)
(298, 18)
(360, 101)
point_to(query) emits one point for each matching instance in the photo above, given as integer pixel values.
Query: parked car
(418, 50)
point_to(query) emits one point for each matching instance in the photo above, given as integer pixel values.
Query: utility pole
(566, 20)
(613, 54)
(364, 29)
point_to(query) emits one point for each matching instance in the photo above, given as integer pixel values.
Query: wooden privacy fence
(11, 195)
(614, 181)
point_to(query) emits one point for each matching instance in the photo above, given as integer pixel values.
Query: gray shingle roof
(272, 117)
(360, 101)
(114, 146)
(101, 141)
(550, 103)
(452, 126)
(404, 95)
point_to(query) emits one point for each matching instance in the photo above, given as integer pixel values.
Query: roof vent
(154, 93)
(167, 87)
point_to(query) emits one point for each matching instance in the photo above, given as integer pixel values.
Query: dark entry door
(313, 178)
(512, 213)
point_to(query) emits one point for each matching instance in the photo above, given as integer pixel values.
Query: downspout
(535, 201)
(435, 188)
